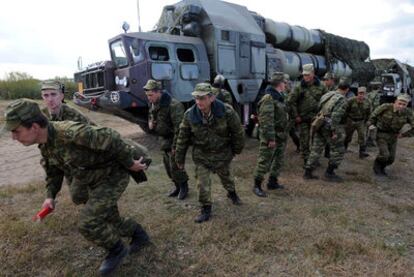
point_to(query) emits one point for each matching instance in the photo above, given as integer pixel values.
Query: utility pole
(139, 17)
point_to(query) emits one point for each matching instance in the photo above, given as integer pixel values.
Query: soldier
(165, 115)
(329, 81)
(359, 109)
(389, 119)
(96, 157)
(292, 126)
(274, 123)
(374, 98)
(53, 94)
(328, 128)
(220, 92)
(304, 103)
(214, 130)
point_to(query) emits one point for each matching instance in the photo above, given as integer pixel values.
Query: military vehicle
(195, 40)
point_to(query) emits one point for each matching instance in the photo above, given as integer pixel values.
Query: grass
(362, 227)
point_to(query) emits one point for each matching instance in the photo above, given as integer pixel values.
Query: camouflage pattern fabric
(304, 103)
(96, 157)
(361, 129)
(215, 141)
(357, 116)
(68, 113)
(223, 95)
(274, 125)
(374, 98)
(166, 116)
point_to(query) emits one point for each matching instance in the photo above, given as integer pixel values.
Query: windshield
(118, 54)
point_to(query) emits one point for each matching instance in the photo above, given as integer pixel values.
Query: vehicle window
(162, 71)
(189, 72)
(158, 53)
(134, 48)
(185, 55)
(118, 54)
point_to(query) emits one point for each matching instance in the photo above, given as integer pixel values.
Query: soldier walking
(215, 132)
(374, 98)
(389, 119)
(97, 158)
(165, 115)
(359, 110)
(274, 122)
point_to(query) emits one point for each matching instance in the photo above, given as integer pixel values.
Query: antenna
(139, 17)
(80, 63)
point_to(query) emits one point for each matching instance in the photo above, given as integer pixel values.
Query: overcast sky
(45, 38)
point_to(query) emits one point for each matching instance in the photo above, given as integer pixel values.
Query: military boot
(327, 151)
(378, 168)
(139, 240)
(330, 174)
(382, 168)
(272, 183)
(234, 197)
(371, 142)
(183, 190)
(115, 256)
(204, 215)
(257, 189)
(174, 192)
(362, 152)
(308, 175)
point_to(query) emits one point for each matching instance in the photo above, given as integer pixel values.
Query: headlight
(121, 82)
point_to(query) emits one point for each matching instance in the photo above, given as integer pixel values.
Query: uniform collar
(217, 110)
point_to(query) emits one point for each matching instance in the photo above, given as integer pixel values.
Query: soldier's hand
(180, 166)
(334, 136)
(151, 124)
(400, 135)
(298, 119)
(138, 165)
(173, 152)
(271, 144)
(48, 203)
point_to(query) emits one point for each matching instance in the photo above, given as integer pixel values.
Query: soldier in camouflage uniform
(216, 134)
(304, 102)
(165, 115)
(53, 95)
(374, 98)
(218, 90)
(274, 123)
(96, 157)
(389, 119)
(332, 106)
(329, 81)
(359, 110)
(292, 126)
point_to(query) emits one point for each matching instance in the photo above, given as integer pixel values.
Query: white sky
(45, 37)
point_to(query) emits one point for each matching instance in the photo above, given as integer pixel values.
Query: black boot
(183, 190)
(378, 170)
(139, 240)
(331, 175)
(204, 215)
(272, 184)
(113, 259)
(232, 195)
(308, 175)
(327, 151)
(362, 152)
(382, 168)
(257, 189)
(174, 192)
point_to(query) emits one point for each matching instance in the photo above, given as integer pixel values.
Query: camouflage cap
(277, 77)
(329, 76)
(51, 85)
(344, 81)
(362, 89)
(287, 77)
(19, 111)
(404, 97)
(152, 85)
(308, 69)
(201, 89)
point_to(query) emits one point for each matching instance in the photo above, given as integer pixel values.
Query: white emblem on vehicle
(114, 97)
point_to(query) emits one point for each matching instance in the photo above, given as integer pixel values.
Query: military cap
(362, 89)
(19, 111)
(287, 77)
(201, 89)
(329, 76)
(308, 69)
(277, 77)
(152, 85)
(344, 81)
(404, 97)
(51, 85)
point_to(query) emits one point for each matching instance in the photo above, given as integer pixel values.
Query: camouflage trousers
(371, 134)
(100, 221)
(269, 160)
(361, 129)
(176, 175)
(320, 140)
(387, 147)
(78, 191)
(203, 181)
(304, 136)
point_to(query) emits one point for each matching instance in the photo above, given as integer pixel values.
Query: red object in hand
(42, 213)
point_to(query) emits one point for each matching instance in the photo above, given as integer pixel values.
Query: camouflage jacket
(334, 106)
(222, 95)
(389, 121)
(215, 140)
(305, 98)
(82, 151)
(374, 98)
(358, 111)
(166, 117)
(273, 115)
(67, 113)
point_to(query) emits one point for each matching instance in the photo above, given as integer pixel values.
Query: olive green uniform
(223, 95)
(357, 117)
